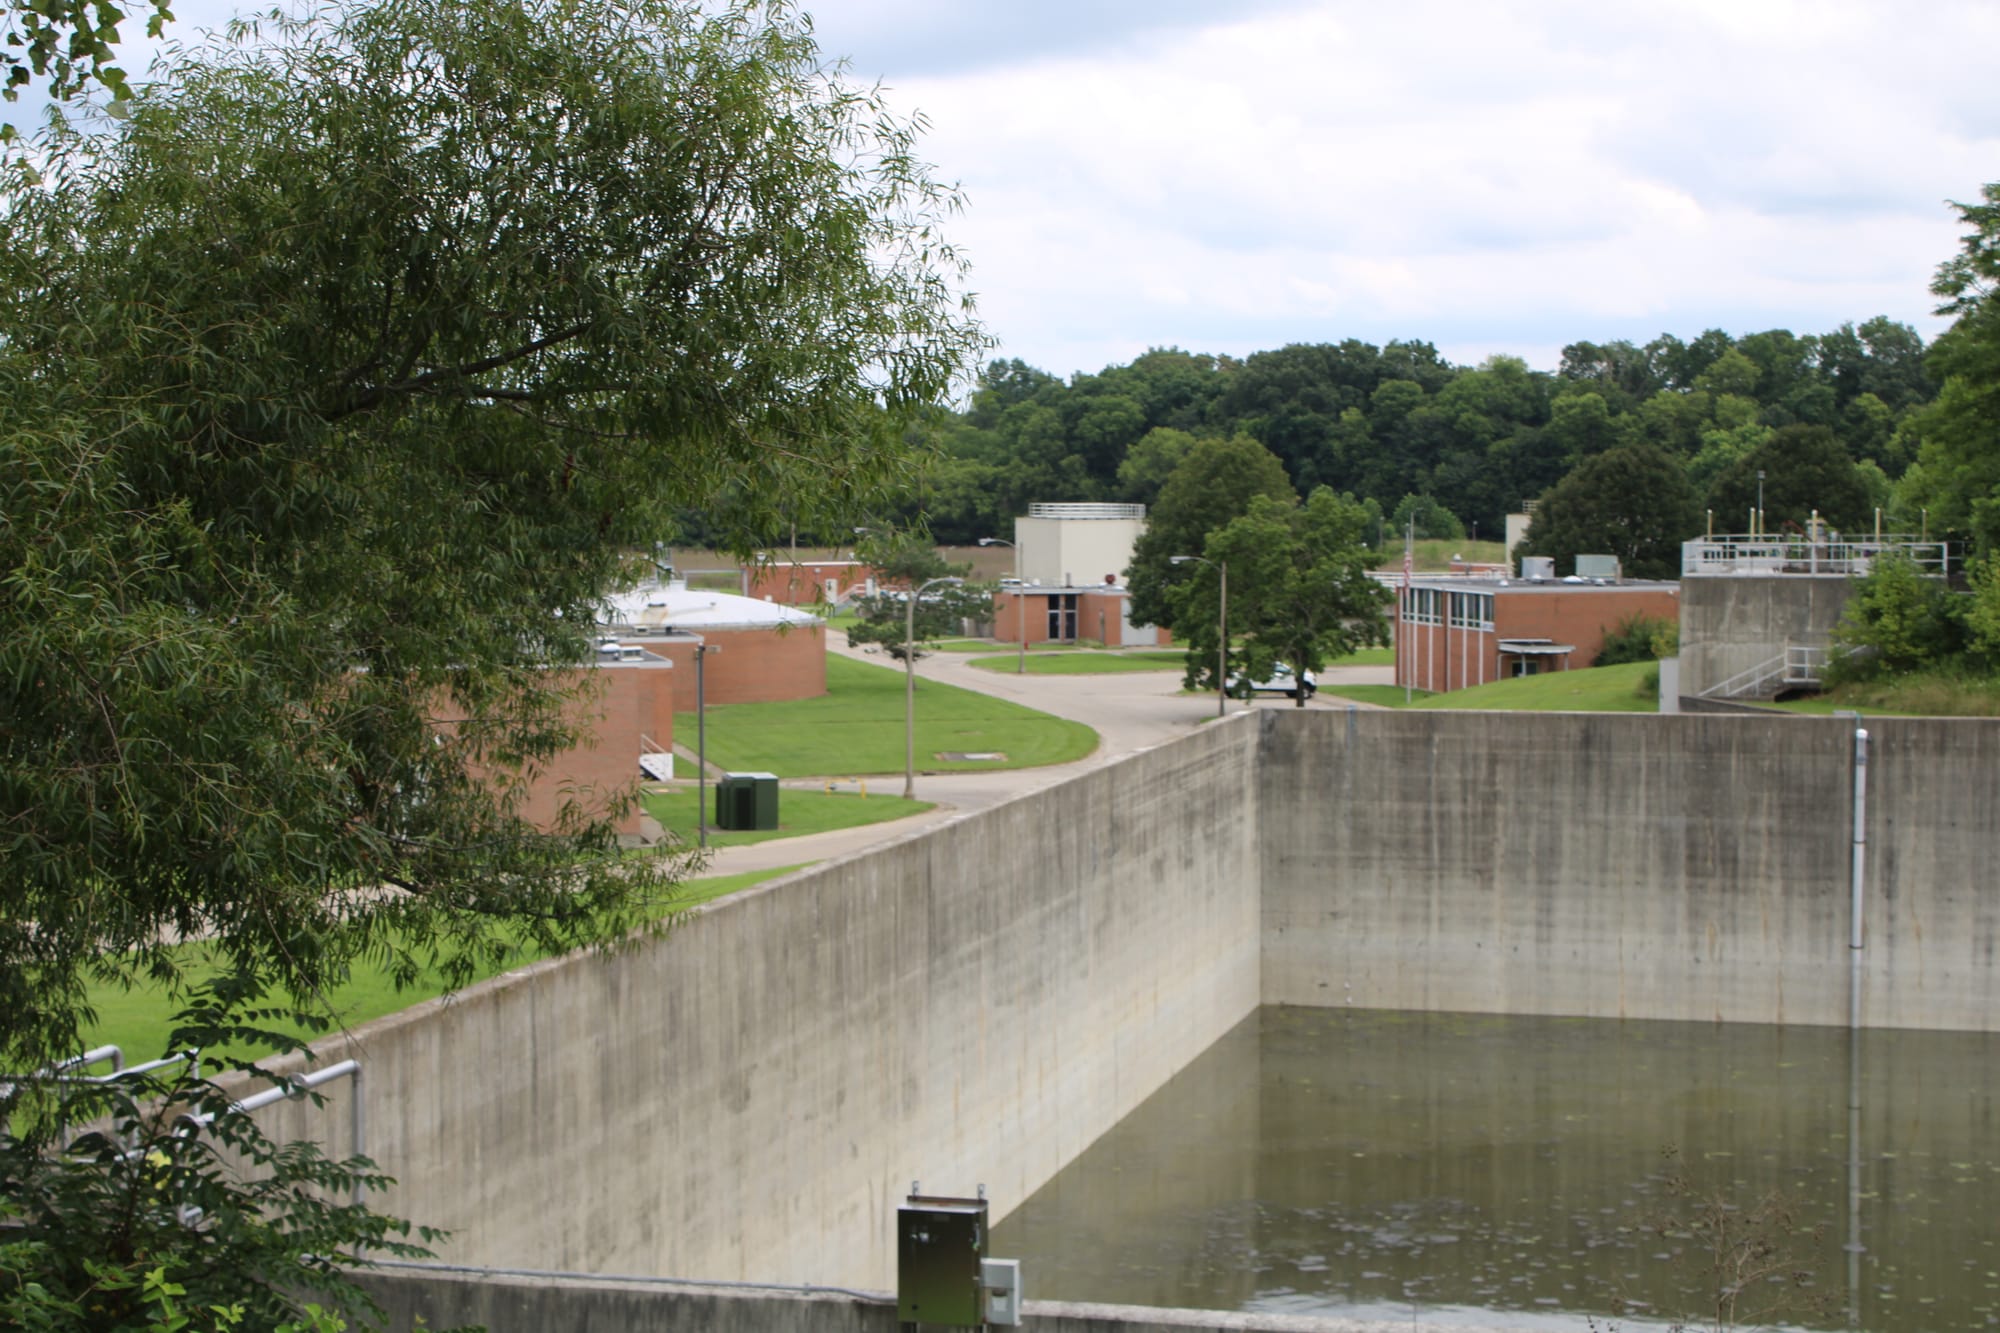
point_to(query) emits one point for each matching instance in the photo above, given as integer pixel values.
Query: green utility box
(939, 1245)
(747, 801)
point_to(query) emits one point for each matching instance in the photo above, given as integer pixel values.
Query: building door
(1062, 616)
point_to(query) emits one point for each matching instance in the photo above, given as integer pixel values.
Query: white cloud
(1488, 178)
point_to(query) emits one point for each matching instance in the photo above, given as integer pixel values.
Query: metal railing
(1085, 509)
(1799, 665)
(1829, 554)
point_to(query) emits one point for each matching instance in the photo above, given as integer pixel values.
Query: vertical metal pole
(700, 748)
(910, 696)
(1856, 905)
(1222, 647)
(1854, 1247)
(1020, 610)
(360, 1137)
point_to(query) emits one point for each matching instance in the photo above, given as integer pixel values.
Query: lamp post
(1221, 568)
(910, 685)
(1020, 603)
(1760, 502)
(702, 648)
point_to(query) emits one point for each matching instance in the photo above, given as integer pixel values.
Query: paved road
(1130, 711)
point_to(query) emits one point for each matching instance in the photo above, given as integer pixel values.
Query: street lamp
(702, 648)
(1020, 602)
(1222, 630)
(910, 685)
(1760, 502)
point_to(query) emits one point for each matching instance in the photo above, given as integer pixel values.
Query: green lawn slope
(857, 728)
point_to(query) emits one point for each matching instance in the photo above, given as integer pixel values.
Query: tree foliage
(1211, 485)
(1896, 620)
(335, 384)
(168, 1203)
(1805, 472)
(70, 43)
(1632, 502)
(1957, 473)
(903, 563)
(1299, 586)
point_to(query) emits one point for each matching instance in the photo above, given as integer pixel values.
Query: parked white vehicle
(1281, 682)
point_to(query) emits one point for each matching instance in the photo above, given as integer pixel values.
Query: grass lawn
(137, 1021)
(1086, 664)
(857, 728)
(1612, 689)
(1918, 694)
(799, 813)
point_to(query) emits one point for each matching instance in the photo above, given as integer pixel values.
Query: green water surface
(1543, 1172)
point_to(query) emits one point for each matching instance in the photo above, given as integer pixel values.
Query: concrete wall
(542, 1304)
(751, 1096)
(1731, 623)
(1632, 866)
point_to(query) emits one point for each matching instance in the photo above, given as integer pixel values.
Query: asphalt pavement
(1130, 711)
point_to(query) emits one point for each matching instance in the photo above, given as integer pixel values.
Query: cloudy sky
(1491, 178)
(1488, 177)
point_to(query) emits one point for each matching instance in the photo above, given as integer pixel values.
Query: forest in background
(1454, 447)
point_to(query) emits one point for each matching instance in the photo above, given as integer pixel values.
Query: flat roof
(1570, 583)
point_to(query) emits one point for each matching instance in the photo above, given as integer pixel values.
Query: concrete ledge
(545, 1303)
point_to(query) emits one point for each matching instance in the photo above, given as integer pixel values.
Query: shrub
(1896, 621)
(1638, 638)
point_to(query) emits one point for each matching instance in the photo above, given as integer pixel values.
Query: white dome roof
(671, 606)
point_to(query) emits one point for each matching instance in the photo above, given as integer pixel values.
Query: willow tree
(339, 377)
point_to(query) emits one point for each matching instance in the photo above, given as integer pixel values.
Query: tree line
(1454, 448)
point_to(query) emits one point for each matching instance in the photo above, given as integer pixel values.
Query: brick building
(1066, 614)
(764, 651)
(1456, 632)
(626, 710)
(806, 582)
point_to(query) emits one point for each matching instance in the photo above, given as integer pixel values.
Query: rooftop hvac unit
(1597, 566)
(1538, 566)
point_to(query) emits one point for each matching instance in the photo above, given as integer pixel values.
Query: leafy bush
(1896, 621)
(173, 1210)
(1638, 638)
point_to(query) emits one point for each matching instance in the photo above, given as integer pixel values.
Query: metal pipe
(292, 1089)
(700, 747)
(1222, 648)
(1857, 877)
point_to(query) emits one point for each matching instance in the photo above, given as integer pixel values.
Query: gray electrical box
(940, 1249)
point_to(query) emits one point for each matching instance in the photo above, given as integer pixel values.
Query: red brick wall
(1089, 607)
(627, 703)
(1443, 657)
(803, 584)
(753, 666)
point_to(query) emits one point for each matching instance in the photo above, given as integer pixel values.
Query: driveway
(1130, 711)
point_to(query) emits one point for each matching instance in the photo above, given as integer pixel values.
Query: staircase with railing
(1799, 666)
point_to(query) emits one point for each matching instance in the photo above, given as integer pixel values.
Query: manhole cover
(972, 756)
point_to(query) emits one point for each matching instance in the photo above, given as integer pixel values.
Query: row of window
(1430, 606)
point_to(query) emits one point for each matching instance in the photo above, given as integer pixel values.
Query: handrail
(293, 1087)
(1798, 664)
(1788, 554)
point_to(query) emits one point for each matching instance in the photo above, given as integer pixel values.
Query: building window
(1062, 616)
(1472, 610)
(1424, 606)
